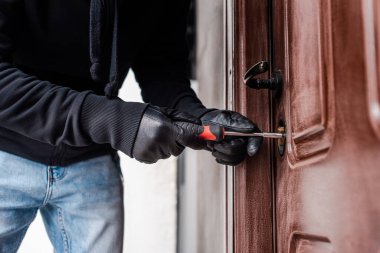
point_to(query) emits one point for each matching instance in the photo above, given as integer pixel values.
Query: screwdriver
(217, 133)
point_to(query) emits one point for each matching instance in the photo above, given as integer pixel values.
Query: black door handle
(274, 83)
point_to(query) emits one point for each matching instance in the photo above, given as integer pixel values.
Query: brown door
(253, 209)
(322, 194)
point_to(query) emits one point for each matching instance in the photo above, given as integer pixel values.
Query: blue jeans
(81, 204)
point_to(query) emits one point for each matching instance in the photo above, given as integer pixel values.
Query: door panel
(327, 181)
(306, 243)
(371, 21)
(309, 93)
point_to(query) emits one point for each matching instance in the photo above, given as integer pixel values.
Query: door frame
(249, 185)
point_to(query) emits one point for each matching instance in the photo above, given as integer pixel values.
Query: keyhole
(281, 143)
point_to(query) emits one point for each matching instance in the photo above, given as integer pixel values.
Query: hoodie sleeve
(54, 114)
(161, 65)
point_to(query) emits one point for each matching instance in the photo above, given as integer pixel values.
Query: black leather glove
(232, 150)
(166, 132)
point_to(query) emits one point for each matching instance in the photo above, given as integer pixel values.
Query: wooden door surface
(323, 193)
(252, 179)
(327, 184)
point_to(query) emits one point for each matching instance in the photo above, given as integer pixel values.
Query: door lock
(281, 143)
(274, 83)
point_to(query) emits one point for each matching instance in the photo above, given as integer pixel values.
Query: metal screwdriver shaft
(217, 133)
(265, 135)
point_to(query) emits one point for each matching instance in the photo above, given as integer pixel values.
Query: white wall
(150, 195)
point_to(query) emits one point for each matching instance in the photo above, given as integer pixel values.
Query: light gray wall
(150, 197)
(202, 217)
(211, 176)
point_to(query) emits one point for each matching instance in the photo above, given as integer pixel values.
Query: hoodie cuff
(112, 121)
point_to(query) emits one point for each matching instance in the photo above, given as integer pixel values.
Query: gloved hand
(232, 150)
(166, 132)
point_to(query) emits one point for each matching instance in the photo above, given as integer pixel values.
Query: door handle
(274, 83)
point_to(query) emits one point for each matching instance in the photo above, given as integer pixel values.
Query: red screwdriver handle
(212, 133)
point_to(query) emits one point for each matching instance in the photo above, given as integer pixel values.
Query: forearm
(192, 105)
(161, 65)
(54, 114)
(39, 109)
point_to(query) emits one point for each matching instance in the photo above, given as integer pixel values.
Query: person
(61, 122)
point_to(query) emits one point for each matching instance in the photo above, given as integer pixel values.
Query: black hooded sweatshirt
(63, 61)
